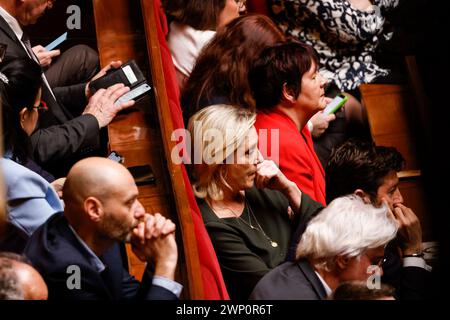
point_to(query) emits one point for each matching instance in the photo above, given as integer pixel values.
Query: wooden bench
(126, 30)
(392, 114)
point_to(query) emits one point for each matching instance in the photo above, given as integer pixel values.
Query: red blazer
(297, 158)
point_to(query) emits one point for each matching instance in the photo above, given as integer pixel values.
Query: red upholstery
(213, 283)
(258, 6)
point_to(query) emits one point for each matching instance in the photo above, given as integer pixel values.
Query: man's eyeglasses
(42, 106)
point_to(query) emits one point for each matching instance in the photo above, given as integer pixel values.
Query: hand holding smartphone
(335, 104)
(56, 42)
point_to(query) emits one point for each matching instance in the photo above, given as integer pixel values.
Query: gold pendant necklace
(274, 244)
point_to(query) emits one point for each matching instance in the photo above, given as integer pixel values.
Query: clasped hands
(153, 241)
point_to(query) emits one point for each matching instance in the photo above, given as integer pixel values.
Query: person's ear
(287, 94)
(364, 196)
(23, 116)
(342, 262)
(94, 209)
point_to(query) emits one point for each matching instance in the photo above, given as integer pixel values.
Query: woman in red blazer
(288, 91)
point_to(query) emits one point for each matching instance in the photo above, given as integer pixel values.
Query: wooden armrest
(409, 174)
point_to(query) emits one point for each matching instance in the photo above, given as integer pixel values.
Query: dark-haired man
(370, 172)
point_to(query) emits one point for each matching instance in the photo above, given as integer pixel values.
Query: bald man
(19, 280)
(78, 253)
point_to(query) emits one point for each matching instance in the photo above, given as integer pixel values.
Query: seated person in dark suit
(370, 172)
(101, 211)
(70, 129)
(19, 280)
(77, 64)
(344, 242)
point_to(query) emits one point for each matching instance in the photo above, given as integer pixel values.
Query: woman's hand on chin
(268, 175)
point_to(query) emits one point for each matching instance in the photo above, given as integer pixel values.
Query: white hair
(346, 227)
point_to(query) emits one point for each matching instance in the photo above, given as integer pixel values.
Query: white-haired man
(344, 242)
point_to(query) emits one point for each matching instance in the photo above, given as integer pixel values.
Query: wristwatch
(414, 255)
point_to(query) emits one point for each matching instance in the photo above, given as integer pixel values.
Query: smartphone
(56, 42)
(134, 94)
(335, 104)
(115, 156)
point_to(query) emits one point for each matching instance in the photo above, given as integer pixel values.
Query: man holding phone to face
(70, 129)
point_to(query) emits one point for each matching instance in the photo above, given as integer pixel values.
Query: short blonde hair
(234, 124)
(347, 227)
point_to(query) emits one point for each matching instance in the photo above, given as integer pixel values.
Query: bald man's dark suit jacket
(290, 281)
(53, 248)
(63, 133)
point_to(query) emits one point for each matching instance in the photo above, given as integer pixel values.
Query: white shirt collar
(327, 288)
(12, 22)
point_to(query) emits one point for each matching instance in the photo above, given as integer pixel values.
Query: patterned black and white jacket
(344, 37)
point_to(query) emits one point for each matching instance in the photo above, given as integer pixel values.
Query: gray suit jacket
(290, 281)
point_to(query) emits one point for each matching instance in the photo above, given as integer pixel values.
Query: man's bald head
(33, 286)
(94, 177)
(19, 280)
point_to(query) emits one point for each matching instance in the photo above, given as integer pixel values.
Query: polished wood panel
(142, 135)
(117, 40)
(386, 112)
(414, 195)
(422, 115)
(390, 111)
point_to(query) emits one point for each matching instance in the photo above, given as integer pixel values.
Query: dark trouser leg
(76, 65)
(335, 134)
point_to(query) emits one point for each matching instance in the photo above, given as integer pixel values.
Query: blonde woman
(248, 205)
